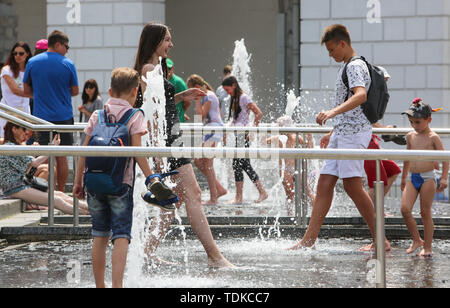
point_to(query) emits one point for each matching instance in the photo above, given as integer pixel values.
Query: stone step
(10, 207)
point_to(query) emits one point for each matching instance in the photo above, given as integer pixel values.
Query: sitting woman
(14, 169)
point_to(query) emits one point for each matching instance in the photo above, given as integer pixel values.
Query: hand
(193, 94)
(78, 191)
(186, 117)
(324, 141)
(403, 185)
(323, 116)
(80, 108)
(442, 185)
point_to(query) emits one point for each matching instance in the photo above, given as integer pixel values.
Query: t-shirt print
(353, 121)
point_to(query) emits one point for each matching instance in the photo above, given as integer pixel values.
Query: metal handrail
(256, 153)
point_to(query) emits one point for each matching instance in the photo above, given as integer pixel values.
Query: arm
(202, 110)
(443, 182)
(406, 163)
(42, 159)
(77, 183)
(74, 90)
(141, 161)
(28, 91)
(189, 95)
(258, 114)
(15, 89)
(359, 97)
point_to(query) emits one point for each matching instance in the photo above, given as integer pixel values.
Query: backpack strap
(344, 73)
(128, 114)
(102, 115)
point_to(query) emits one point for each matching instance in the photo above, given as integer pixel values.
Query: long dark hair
(85, 96)
(151, 37)
(234, 103)
(14, 66)
(9, 134)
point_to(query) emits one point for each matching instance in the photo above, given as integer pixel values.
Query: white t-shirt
(10, 98)
(353, 121)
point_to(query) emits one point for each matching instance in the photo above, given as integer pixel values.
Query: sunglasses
(20, 53)
(90, 86)
(67, 46)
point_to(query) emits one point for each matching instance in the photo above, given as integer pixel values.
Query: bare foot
(209, 202)
(425, 253)
(414, 246)
(235, 201)
(371, 247)
(262, 197)
(155, 261)
(301, 245)
(221, 193)
(221, 263)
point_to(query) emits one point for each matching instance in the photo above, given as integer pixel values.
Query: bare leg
(99, 260)
(62, 172)
(262, 192)
(119, 260)
(62, 202)
(322, 204)
(409, 197)
(189, 192)
(355, 190)
(239, 194)
(427, 193)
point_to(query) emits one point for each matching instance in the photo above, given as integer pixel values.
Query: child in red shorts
(389, 170)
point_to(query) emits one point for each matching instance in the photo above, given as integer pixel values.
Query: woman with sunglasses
(12, 80)
(91, 102)
(14, 169)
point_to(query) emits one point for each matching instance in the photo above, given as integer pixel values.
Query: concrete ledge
(264, 221)
(44, 233)
(10, 207)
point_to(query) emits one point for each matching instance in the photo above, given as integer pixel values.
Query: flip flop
(160, 195)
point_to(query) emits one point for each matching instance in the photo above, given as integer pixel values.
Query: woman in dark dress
(155, 42)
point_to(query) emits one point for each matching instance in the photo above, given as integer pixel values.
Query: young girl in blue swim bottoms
(422, 178)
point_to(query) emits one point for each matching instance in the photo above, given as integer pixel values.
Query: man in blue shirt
(52, 80)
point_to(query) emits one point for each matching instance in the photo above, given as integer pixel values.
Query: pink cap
(42, 44)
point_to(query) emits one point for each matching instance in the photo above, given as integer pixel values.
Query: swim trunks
(417, 179)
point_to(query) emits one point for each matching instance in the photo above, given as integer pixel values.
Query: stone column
(411, 39)
(104, 34)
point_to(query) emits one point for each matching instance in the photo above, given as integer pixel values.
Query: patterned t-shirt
(353, 121)
(12, 171)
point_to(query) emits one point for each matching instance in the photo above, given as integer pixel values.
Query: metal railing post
(76, 218)
(380, 249)
(298, 197)
(51, 186)
(304, 192)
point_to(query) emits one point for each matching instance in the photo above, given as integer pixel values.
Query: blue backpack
(105, 174)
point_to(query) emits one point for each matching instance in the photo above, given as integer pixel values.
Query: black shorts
(66, 138)
(175, 163)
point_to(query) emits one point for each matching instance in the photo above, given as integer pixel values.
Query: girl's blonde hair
(197, 80)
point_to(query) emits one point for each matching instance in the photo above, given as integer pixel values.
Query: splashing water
(292, 103)
(241, 66)
(155, 115)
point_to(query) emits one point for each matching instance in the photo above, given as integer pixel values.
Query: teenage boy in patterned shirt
(352, 130)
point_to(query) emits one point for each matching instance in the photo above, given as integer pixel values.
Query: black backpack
(377, 96)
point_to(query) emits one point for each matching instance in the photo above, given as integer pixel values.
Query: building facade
(410, 38)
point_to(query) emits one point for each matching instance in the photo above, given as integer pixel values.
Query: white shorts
(347, 168)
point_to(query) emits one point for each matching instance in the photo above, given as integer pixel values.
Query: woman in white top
(209, 110)
(11, 80)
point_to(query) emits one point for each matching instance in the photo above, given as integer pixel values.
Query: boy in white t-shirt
(352, 130)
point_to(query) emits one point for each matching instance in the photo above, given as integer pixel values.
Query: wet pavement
(260, 264)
